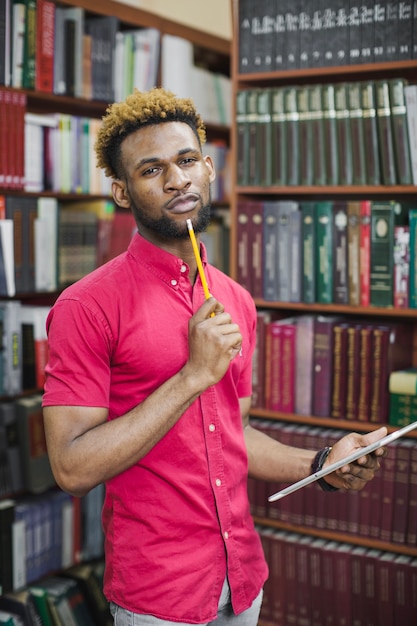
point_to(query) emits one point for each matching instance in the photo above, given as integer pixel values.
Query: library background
(311, 111)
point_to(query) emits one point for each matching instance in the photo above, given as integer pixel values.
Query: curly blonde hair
(138, 110)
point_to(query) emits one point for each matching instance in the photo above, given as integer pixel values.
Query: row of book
(328, 365)
(74, 597)
(356, 133)
(385, 510)
(357, 253)
(44, 534)
(47, 244)
(66, 51)
(288, 35)
(315, 581)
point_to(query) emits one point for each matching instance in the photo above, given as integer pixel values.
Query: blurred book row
(348, 133)
(348, 252)
(331, 366)
(67, 51)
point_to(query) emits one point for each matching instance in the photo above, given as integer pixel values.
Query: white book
(46, 245)
(177, 60)
(410, 92)
(7, 251)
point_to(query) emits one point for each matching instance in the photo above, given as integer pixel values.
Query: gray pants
(226, 617)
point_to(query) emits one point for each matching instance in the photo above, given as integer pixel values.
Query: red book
(392, 350)
(385, 585)
(401, 492)
(387, 502)
(365, 251)
(340, 364)
(291, 576)
(45, 35)
(352, 377)
(358, 586)
(304, 365)
(366, 361)
(276, 573)
(404, 611)
(343, 586)
(19, 104)
(317, 610)
(10, 140)
(3, 138)
(323, 352)
(302, 585)
(411, 538)
(288, 366)
(329, 581)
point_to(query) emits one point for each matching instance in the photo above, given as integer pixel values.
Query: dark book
(370, 133)
(263, 317)
(324, 251)
(357, 134)
(308, 237)
(330, 135)
(385, 133)
(278, 138)
(5, 43)
(392, 350)
(263, 174)
(381, 253)
(102, 30)
(293, 135)
(6, 541)
(400, 131)
(242, 138)
(411, 537)
(244, 246)
(244, 34)
(353, 246)
(340, 367)
(304, 365)
(410, 92)
(270, 251)
(306, 147)
(385, 583)
(317, 134)
(366, 362)
(402, 409)
(340, 253)
(323, 358)
(22, 604)
(296, 256)
(401, 492)
(353, 371)
(252, 132)
(23, 212)
(344, 136)
(256, 252)
(29, 46)
(285, 209)
(12, 347)
(412, 288)
(401, 266)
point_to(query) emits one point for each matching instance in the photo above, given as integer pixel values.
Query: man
(148, 390)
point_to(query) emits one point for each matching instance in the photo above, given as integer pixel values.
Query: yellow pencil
(198, 259)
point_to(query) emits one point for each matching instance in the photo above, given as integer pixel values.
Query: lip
(183, 203)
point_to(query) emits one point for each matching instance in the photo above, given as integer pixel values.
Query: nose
(176, 179)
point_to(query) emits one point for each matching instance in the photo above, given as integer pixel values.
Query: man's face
(168, 179)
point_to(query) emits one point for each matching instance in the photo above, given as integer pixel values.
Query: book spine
(357, 134)
(242, 140)
(382, 244)
(410, 92)
(353, 365)
(29, 49)
(278, 138)
(293, 134)
(252, 121)
(308, 236)
(263, 174)
(412, 291)
(340, 253)
(340, 362)
(323, 353)
(400, 131)
(324, 252)
(386, 139)
(330, 135)
(344, 137)
(317, 134)
(370, 133)
(353, 237)
(307, 154)
(401, 266)
(288, 368)
(45, 33)
(365, 366)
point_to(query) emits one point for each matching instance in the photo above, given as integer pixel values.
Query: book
(292, 135)
(370, 132)
(304, 365)
(252, 132)
(46, 245)
(412, 287)
(242, 138)
(87, 580)
(366, 362)
(263, 168)
(7, 271)
(11, 354)
(353, 371)
(400, 131)
(23, 212)
(330, 135)
(12, 481)
(357, 134)
(18, 17)
(353, 252)
(317, 133)
(5, 42)
(402, 409)
(285, 211)
(44, 55)
(36, 469)
(323, 355)
(278, 137)
(381, 258)
(344, 134)
(385, 133)
(102, 30)
(308, 242)
(307, 154)
(340, 365)
(401, 266)
(340, 253)
(34, 344)
(22, 606)
(324, 251)
(29, 46)
(244, 247)
(403, 381)
(6, 561)
(410, 94)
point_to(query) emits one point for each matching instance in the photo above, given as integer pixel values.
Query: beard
(170, 229)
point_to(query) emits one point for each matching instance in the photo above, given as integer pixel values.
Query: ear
(120, 195)
(210, 166)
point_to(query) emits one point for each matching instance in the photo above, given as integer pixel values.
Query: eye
(150, 171)
(189, 161)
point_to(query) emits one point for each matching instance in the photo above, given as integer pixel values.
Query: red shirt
(178, 520)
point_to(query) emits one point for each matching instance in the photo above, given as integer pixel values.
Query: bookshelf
(301, 521)
(75, 521)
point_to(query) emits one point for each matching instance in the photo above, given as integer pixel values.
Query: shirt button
(226, 535)
(212, 428)
(183, 268)
(218, 482)
(174, 282)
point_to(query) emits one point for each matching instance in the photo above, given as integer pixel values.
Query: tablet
(396, 434)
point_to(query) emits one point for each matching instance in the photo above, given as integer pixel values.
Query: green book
(252, 131)
(344, 137)
(315, 104)
(413, 259)
(263, 160)
(370, 132)
(29, 46)
(308, 236)
(307, 154)
(357, 134)
(278, 138)
(382, 253)
(40, 597)
(402, 409)
(324, 252)
(330, 135)
(293, 134)
(385, 133)
(242, 138)
(400, 131)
